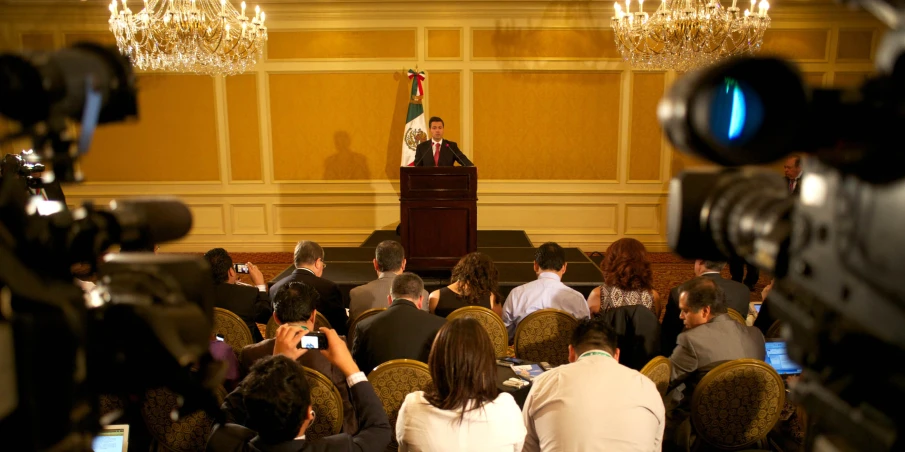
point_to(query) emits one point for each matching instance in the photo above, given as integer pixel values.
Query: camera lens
(736, 112)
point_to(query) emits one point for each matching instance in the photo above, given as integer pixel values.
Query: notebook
(778, 358)
(112, 438)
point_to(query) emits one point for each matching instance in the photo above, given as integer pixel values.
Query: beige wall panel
(445, 96)
(646, 135)
(444, 44)
(643, 219)
(343, 44)
(207, 219)
(801, 45)
(174, 139)
(37, 41)
(535, 125)
(855, 45)
(311, 218)
(249, 219)
(338, 126)
(244, 128)
(571, 218)
(849, 79)
(101, 37)
(590, 44)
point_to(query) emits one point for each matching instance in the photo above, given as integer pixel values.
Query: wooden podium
(439, 215)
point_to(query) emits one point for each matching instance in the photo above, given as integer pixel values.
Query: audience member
(309, 269)
(737, 297)
(627, 279)
(792, 170)
(402, 331)
(278, 400)
(474, 283)
(389, 262)
(294, 306)
(251, 304)
(765, 318)
(463, 410)
(623, 407)
(547, 291)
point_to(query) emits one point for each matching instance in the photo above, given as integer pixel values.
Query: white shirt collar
(549, 275)
(436, 142)
(709, 273)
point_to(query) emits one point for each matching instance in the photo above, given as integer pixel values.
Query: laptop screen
(778, 358)
(113, 438)
(757, 308)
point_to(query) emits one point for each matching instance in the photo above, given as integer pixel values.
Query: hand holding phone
(240, 268)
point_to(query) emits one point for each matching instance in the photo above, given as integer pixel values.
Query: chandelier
(686, 34)
(200, 36)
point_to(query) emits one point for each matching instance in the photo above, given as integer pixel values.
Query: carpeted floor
(669, 269)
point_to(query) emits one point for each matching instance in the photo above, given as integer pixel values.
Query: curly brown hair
(626, 267)
(477, 277)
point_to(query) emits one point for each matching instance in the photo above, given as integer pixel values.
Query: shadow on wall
(345, 164)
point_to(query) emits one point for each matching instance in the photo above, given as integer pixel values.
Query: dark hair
(477, 277)
(703, 291)
(550, 256)
(295, 302)
(591, 334)
(434, 119)
(625, 266)
(797, 159)
(463, 367)
(407, 285)
(389, 255)
(308, 252)
(714, 265)
(277, 397)
(220, 263)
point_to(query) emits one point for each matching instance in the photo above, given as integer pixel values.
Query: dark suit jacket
(738, 297)
(330, 303)
(402, 331)
(247, 302)
(449, 150)
(313, 359)
(797, 189)
(638, 334)
(375, 433)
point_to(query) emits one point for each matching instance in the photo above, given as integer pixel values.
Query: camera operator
(252, 304)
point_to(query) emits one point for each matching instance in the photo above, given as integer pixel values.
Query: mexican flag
(415, 130)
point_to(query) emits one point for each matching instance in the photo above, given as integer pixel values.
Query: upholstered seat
(659, 370)
(737, 316)
(350, 338)
(491, 322)
(233, 329)
(393, 381)
(327, 405)
(543, 336)
(187, 434)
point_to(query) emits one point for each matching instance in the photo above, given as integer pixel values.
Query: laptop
(112, 438)
(778, 358)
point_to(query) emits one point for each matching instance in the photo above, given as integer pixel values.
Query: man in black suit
(792, 171)
(278, 400)
(251, 304)
(309, 267)
(294, 306)
(402, 331)
(437, 151)
(737, 297)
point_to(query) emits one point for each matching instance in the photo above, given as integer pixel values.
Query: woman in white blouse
(464, 410)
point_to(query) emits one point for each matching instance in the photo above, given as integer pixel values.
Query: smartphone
(219, 337)
(507, 361)
(240, 268)
(314, 341)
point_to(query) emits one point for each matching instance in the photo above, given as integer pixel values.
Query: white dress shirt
(545, 292)
(594, 404)
(497, 426)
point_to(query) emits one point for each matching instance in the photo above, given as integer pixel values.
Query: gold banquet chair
(491, 322)
(271, 330)
(350, 338)
(737, 404)
(321, 322)
(737, 316)
(188, 434)
(659, 370)
(233, 329)
(544, 335)
(393, 381)
(326, 403)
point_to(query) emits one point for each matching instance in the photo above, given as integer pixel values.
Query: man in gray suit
(389, 261)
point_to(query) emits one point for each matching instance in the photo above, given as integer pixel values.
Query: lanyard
(594, 352)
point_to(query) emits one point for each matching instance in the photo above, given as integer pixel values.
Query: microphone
(422, 158)
(456, 155)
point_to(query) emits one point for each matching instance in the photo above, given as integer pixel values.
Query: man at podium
(437, 151)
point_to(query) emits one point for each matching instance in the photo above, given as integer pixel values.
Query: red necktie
(437, 155)
(791, 185)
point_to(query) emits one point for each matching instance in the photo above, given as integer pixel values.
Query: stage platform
(511, 251)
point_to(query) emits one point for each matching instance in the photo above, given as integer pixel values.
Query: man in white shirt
(547, 291)
(594, 403)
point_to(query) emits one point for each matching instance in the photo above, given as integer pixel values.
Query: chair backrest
(491, 322)
(271, 330)
(737, 403)
(321, 322)
(659, 370)
(393, 381)
(350, 337)
(544, 335)
(737, 316)
(188, 434)
(327, 405)
(637, 331)
(233, 329)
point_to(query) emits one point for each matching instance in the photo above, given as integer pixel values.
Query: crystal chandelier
(686, 34)
(200, 36)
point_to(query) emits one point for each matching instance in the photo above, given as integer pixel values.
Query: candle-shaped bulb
(628, 7)
(618, 9)
(764, 6)
(263, 15)
(243, 8)
(257, 11)
(640, 6)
